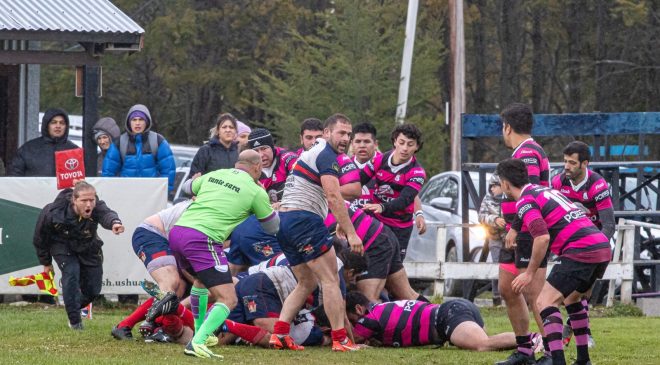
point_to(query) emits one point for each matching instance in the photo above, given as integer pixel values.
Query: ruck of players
(287, 249)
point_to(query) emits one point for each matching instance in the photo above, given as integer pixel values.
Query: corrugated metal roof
(89, 16)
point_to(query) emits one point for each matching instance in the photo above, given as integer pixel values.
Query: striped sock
(585, 304)
(580, 325)
(524, 344)
(552, 326)
(198, 300)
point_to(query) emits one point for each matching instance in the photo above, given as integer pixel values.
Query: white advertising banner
(21, 198)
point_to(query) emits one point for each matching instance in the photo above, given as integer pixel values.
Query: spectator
(106, 132)
(139, 151)
(2, 168)
(66, 231)
(490, 215)
(221, 152)
(242, 133)
(37, 156)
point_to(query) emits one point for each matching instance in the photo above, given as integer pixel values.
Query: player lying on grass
(406, 323)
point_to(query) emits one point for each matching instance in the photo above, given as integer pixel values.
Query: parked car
(441, 203)
(183, 154)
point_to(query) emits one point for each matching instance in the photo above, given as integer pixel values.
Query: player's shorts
(569, 275)
(524, 254)
(149, 245)
(383, 256)
(452, 313)
(252, 253)
(196, 251)
(507, 256)
(303, 236)
(257, 298)
(403, 236)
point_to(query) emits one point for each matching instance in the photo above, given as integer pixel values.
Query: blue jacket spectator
(133, 154)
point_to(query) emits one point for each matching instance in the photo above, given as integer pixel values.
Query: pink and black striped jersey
(366, 227)
(538, 170)
(368, 189)
(572, 234)
(274, 179)
(593, 193)
(389, 181)
(400, 324)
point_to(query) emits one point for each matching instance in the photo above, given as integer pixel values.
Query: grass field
(39, 335)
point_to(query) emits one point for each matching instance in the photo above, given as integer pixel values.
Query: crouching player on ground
(583, 255)
(152, 248)
(260, 297)
(406, 323)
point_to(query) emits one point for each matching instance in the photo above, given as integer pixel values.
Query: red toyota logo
(71, 164)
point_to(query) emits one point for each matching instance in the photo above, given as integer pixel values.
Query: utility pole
(406, 63)
(457, 92)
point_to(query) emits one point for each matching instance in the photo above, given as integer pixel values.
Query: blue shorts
(303, 236)
(257, 298)
(251, 253)
(149, 245)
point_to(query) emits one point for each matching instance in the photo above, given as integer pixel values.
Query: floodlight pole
(406, 63)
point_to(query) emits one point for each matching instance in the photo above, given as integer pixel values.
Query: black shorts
(568, 275)
(454, 312)
(383, 258)
(524, 254)
(214, 277)
(507, 256)
(403, 236)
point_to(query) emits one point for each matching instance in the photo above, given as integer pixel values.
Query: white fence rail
(620, 269)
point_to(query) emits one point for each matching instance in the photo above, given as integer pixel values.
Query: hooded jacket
(60, 231)
(139, 161)
(108, 126)
(213, 156)
(37, 156)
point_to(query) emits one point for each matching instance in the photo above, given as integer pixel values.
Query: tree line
(274, 63)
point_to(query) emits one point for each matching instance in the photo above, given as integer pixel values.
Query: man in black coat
(66, 231)
(36, 157)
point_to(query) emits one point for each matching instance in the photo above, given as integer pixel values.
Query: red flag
(69, 166)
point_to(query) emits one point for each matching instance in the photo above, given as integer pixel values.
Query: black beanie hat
(260, 137)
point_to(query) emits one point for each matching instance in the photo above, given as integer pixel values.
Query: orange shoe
(283, 342)
(344, 346)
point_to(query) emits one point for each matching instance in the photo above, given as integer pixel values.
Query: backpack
(153, 144)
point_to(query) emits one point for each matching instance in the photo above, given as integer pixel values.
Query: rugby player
(589, 191)
(406, 323)
(224, 199)
(398, 178)
(517, 123)
(583, 253)
(310, 189)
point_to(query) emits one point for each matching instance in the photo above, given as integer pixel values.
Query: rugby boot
(591, 342)
(167, 305)
(344, 346)
(147, 328)
(122, 333)
(518, 358)
(158, 336)
(566, 335)
(283, 342)
(582, 363)
(192, 349)
(546, 359)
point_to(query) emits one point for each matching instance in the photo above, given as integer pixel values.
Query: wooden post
(616, 258)
(627, 260)
(91, 80)
(457, 91)
(441, 255)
